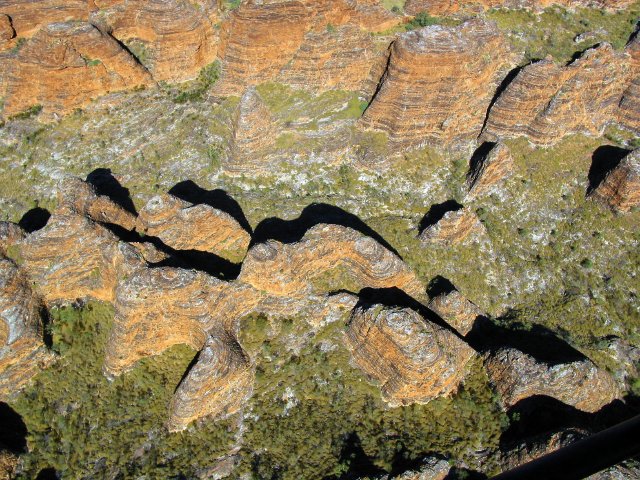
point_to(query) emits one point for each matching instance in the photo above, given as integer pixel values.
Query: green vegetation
(199, 88)
(553, 31)
(394, 5)
(139, 50)
(28, 113)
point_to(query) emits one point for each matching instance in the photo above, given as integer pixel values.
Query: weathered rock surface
(456, 310)
(10, 234)
(254, 133)
(76, 196)
(516, 375)
(620, 189)
(74, 258)
(490, 170)
(22, 350)
(6, 29)
(412, 359)
(28, 16)
(263, 40)
(547, 101)
(64, 66)
(217, 386)
(454, 227)
(439, 84)
(431, 468)
(328, 258)
(8, 464)
(172, 38)
(449, 7)
(629, 108)
(184, 226)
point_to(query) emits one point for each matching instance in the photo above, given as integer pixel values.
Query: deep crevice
(381, 80)
(436, 212)
(108, 185)
(603, 160)
(506, 81)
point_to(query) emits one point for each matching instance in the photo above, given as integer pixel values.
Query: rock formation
(10, 234)
(489, 170)
(184, 226)
(22, 350)
(412, 359)
(456, 310)
(454, 227)
(620, 189)
(431, 468)
(73, 257)
(6, 30)
(254, 133)
(64, 66)
(629, 108)
(28, 16)
(262, 39)
(328, 258)
(516, 375)
(172, 38)
(76, 196)
(439, 84)
(547, 100)
(217, 386)
(450, 7)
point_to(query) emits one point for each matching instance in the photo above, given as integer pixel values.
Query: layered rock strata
(629, 108)
(64, 66)
(451, 7)
(412, 359)
(620, 189)
(185, 226)
(219, 383)
(439, 84)
(454, 227)
(456, 310)
(6, 30)
(28, 16)
(547, 101)
(490, 170)
(516, 375)
(22, 350)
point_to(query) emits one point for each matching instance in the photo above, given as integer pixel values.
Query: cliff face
(28, 16)
(547, 101)
(620, 189)
(439, 84)
(490, 170)
(173, 39)
(412, 359)
(629, 109)
(64, 66)
(309, 38)
(516, 376)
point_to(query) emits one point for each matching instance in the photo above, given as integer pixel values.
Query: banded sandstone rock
(64, 66)
(328, 258)
(28, 16)
(490, 170)
(439, 84)
(516, 376)
(547, 101)
(6, 30)
(263, 41)
(620, 189)
(629, 109)
(172, 38)
(22, 350)
(216, 387)
(11, 234)
(454, 227)
(184, 226)
(412, 359)
(456, 310)
(449, 7)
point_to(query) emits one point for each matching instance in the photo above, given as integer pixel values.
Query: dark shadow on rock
(603, 160)
(436, 212)
(394, 297)
(476, 160)
(13, 434)
(46, 327)
(34, 219)
(108, 185)
(290, 231)
(439, 286)
(192, 363)
(360, 465)
(537, 341)
(47, 474)
(219, 199)
(506, 81)
(457, 473)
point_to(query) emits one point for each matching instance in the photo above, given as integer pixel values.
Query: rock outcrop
(431, 468)
(516, 375)
(22, 350)
(328, 258)
(28, 16)
(490, 170)
(73, 258)
(217, 386)
(172, 38)
(64, 66)
(456, 310)
(454, 227)
(11, 234)
(6, 30)
(451, 7)
(280, 40)
(629, 108)
(184, 226)
(620, 189)
(547, 101)
(439, 84)
(412, 359)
